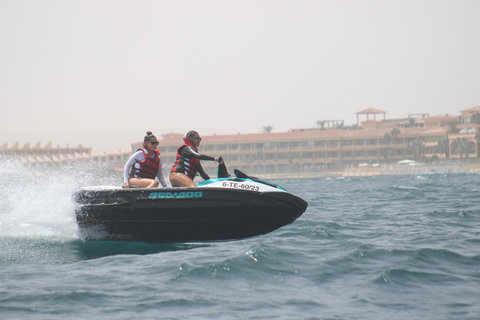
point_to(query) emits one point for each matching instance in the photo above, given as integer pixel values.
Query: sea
(404, 247)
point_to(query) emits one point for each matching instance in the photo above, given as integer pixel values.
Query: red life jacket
(148, 167)
(187, 166)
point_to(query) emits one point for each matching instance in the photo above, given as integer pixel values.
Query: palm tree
(452, 127)
(339, 125)
(267, 129)
(387, 138)
(443, 146)
(394, 134)
(321, 124)
(386, 152)
(411, 121)
(475, 118)
(455, 146)
(463, 147)
(355, 126)
(416, 146)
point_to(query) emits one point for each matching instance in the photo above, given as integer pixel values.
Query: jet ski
(217, 209)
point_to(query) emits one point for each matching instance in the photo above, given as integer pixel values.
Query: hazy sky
(101, 73)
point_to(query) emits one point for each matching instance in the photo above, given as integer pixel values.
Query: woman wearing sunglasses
(144, 166)
(188, 164)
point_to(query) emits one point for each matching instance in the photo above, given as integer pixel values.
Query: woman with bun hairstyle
(144, 166)
(188, 164)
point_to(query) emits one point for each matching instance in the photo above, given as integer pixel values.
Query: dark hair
(149, 137)
(191, 134)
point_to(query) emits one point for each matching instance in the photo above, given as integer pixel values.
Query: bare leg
(181, 180)
(143, 182)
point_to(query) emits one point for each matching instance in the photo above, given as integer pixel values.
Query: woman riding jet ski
(145, 165)
(188, 164)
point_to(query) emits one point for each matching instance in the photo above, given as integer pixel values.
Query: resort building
(50, 157)
(374, 143)
(464, 141)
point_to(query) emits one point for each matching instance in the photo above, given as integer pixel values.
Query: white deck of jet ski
(222, 183)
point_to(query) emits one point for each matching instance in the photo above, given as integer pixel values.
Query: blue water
(372, 248)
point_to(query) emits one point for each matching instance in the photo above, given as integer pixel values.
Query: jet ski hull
(183, 214)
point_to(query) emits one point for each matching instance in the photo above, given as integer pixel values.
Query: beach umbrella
(406, 161)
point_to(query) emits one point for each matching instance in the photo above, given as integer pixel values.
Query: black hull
(183, 214)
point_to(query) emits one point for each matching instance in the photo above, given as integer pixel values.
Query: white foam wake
(38, 203)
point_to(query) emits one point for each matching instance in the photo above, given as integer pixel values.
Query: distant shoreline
(387, 170)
